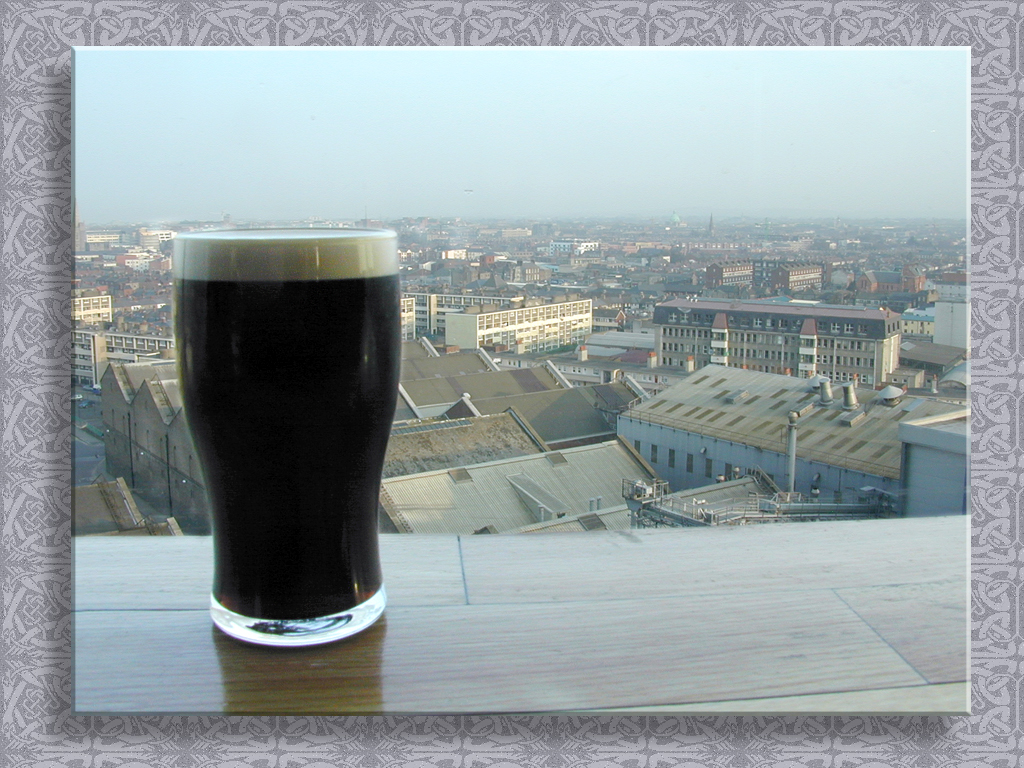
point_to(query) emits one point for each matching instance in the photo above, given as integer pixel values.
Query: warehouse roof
(450, 387)
(501, 496)
(751, 408)
(933, 354)
(456, 364)
(564, 415)
(422, 446)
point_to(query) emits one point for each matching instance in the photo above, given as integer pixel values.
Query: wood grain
(797, 615)
(684, 562)
(120, 573)
(486, 659)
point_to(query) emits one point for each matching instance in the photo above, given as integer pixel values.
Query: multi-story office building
(102, 241)
(919, 322)
(571, 247)
(793, 338)
(780, 275)
(729, 273)
(151, 238)
(93, 350)
(91, 307)
(798, 276)
(525, 329)
(431, 309)
(408, 315)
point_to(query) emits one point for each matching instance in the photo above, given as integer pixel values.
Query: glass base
(294, 633)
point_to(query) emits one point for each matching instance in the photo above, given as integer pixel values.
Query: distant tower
(79, 231)
(711, 226)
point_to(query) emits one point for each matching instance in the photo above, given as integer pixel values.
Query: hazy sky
(165, 134)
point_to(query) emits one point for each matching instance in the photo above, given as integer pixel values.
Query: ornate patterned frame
(38, 726)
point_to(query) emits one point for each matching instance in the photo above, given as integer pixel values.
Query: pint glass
(288, 347)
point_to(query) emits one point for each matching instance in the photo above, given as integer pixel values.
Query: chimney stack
(652, 360)
(582, 353)
(826, 392)
(791, 450)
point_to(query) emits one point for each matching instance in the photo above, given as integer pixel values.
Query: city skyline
(180, 134)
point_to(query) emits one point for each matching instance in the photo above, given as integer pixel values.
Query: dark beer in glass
(288, 347)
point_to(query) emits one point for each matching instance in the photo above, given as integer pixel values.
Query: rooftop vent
(591, 522)
(852, 418)
(815, 382)
(486, 529)
(890, 396)
(825, 387)
(737, 397)
(460, 475)
(849, 397)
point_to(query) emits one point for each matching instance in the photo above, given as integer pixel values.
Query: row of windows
(707, 465)
(847, 360)
(784, 323)
(115, 343)
(763, 338)
(535, 314)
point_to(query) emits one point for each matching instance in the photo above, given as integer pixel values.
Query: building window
(636, 444)
(689, 463)
(707, 468)
(671, 458)
(728, 471)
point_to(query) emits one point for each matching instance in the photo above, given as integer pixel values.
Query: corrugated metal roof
(457, 364)
(616, 519)
(870, 445)
(488, 384)
(557, 416)
(413, 350)
(434, 502)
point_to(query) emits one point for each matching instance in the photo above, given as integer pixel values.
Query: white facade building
(526, 329)
(431, 309)
(91, 307)
(93, 351)
(952, 323)
(151, 238)
(571, 247)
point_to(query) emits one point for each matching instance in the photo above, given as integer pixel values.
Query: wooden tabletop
(834, 618)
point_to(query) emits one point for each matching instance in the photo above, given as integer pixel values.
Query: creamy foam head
(285, 254)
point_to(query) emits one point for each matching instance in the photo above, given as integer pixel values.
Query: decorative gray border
(38, 728)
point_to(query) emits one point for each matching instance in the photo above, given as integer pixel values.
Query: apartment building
(729, 273)
(794, 338)
(780, 275)
(525, 329)
(798, 276)
(90, 307)
(431, 309)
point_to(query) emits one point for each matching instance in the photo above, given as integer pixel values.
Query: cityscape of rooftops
(640, 288)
